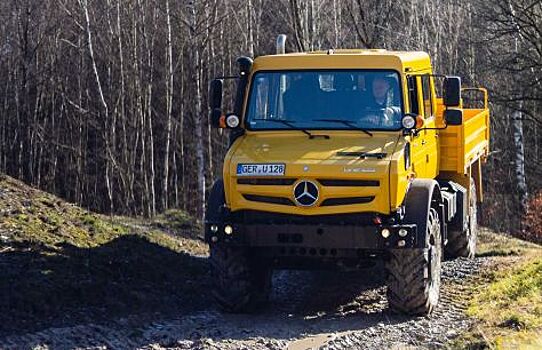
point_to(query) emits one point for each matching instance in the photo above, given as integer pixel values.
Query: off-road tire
(241, 284)
(463, 243)
(414, 274)
(215, 204)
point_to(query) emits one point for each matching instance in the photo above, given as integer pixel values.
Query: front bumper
(313, 239)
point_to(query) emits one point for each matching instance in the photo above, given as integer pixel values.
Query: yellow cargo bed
(462, 145)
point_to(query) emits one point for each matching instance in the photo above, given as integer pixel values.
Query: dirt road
(308, 310)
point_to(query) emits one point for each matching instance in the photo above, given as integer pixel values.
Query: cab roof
(346, 59)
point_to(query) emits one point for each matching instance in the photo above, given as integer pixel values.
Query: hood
(350, 170)
(344, 148)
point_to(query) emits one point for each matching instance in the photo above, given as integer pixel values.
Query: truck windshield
(340, 99)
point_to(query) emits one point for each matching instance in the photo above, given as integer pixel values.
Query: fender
(421, 194)
(215, 206)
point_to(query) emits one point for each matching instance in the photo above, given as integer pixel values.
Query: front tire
(241, 284)
(414, 274)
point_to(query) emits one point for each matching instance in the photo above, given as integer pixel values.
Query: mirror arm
(426, 74)
(416, 131)
(228, 77)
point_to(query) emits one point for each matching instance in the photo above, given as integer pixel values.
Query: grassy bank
(33, 217)
(507, 302)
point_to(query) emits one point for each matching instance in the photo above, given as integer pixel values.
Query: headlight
(385, 233)
(232, 121)
(408, 122)
(228, 229)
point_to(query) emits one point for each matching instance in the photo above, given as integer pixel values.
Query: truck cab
(341, 158)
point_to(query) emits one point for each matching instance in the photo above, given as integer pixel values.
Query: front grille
(346, 201)
(324, 182)
(267, 218)
(265, 182)
(349, 183)
(268, 199)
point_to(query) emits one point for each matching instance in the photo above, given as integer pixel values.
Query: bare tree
(104, 102)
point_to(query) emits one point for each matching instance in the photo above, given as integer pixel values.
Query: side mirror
(215, 94)
(453, 116)
(217, 120)
(452, 91)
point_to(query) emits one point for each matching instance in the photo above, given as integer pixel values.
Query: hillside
(62, 264)
(73, 278)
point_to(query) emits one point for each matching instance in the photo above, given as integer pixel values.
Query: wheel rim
(472, 223)
(434, 257)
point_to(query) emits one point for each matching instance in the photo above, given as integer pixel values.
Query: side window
(413, 95)
(427, 96)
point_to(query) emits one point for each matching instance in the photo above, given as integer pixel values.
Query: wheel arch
(421, 195)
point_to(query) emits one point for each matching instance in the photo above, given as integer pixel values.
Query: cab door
(429, 141)
(417, 143)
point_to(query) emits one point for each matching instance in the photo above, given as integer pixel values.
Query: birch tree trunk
(517, 127)
(519, 147)
(109, 186)
(197, 112)
(169, 108)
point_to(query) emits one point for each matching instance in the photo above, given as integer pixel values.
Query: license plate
(260, 169)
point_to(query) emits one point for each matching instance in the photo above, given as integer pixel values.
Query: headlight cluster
(228, 229)
(401, 233)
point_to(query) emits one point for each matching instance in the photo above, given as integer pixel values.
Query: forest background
(104, 102)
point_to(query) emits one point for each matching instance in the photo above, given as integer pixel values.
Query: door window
(427, 96)
(413, 94)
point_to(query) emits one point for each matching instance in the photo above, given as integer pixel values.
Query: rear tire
(414, 274)
(463, 242)
(241, 284)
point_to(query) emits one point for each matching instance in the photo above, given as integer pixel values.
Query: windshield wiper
(290, 124)
(345, 122)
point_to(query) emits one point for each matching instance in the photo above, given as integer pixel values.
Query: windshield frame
(372, 70)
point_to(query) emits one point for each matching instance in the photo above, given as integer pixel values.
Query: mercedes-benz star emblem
(306, 193)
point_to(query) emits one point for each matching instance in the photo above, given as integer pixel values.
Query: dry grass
(502, 244)
(35, 217)
(508, 304)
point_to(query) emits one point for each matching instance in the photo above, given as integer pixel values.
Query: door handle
(423, 142)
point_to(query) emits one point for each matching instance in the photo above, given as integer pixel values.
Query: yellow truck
(342, 158)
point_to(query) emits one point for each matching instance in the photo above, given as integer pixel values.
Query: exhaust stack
(281, 44)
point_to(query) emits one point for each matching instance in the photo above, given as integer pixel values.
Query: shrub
(532, 223)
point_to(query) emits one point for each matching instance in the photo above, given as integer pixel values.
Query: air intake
(281, 44)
